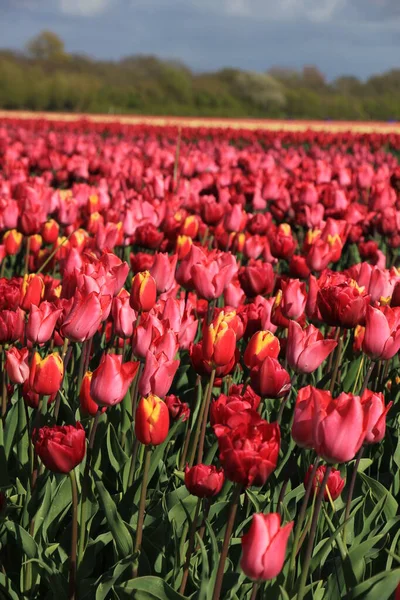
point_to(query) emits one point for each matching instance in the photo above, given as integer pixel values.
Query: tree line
(46, 77)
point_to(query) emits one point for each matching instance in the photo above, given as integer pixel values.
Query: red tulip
(264, 547)
(294, 298)
(111, 380)
(46, 374)
(212, 276)
(143, 292)
(257, 278)
(219, 341)
(382, 332)
(60, 449)
(204, 481)
(87, 404)
(85, 316)
(249, 453)
(163, 271)
(177, 409)
(306, 349)
(270, 379)
(12, 241)
(32, 291)
(11, 325)
(151, 420)
(334, 484)
(282, 242)
(342, 305)
(305, 408)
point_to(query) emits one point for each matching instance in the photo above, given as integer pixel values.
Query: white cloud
(85, 8)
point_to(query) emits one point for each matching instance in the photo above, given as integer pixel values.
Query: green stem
(142, 503)
(189, 552)
(205, 418)
(307, 558)
(82, 361)
(367, 377)
(225, 545)
(74, 538)
(135, 447)
(299, 523)
(4, 395)
(85, 487)
(337, 362)
(351, 491)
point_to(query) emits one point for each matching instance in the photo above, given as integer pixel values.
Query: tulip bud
(60, 449)
(219, 341)
(87, 404)
(262, 344)
(143, 292)
(50, 231)
(177, 409)
(334, 484)
(32, 291)
(151, 420)
(46, 374)
(41, 322)
(264, 547)
(12, 241)
(204, 481)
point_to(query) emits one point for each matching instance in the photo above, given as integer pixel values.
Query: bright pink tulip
(382, 332)
(163, 271)
(85, 316)
(294, 298)
(158, 375)
(264, 547)
(123, 315)
(376, 411)
(306, 349)
(41, 322)
(211, 278)
(111, 380)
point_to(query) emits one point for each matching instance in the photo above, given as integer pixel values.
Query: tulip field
(200, 383)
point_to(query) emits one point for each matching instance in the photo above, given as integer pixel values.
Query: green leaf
(22, 539)
(357, 555)
(147, 587)
(11, 424)
(120, 532)
(379, 587)
(379, 491)
(115, 453)
(60, 504)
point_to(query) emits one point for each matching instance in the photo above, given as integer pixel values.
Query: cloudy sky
(358, 37)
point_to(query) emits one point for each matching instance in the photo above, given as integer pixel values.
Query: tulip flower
(60, 449)
(294, 298)
(376, 411)
(339, 427)
(249, 453)
(334, 484)
(304, 411)
(270, 379)
(50, 231)
(256, 278)
(17, 365)
(111, 380)
(12, 241)
(163, 271)
(46, 374)
(87, 404)
(342, 305)
(85, 316)
(177, 409)
(123, 315)
(219, 341)
(41, 322)
(204, 481)
(264, 547)
(282, 242)
(261, 345)
(382, 332)
(306, 349)
(143, 292)
(32, 291)
(158, 374)
(11, 325)
(212, 276)
(151, 420)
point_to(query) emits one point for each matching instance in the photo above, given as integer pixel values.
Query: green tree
(46, 46)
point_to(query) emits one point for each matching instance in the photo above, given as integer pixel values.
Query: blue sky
(358, 37)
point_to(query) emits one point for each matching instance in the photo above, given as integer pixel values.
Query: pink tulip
(111, 380)
(294, 298)
(264, 547)
(17, 365)
(85, 316)
(306, 349)
(158, 375)
(374, 404)
(163, 271)
(41, 322)
(382, 332)
(123, 315)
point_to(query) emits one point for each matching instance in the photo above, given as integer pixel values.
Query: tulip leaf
(60, 504)
(144, 588)
(120, 532)
(379, 587)
(22, 538)
(7, 589)
(10, 427)
(115, 454)
(43, 508)
(379, 491)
